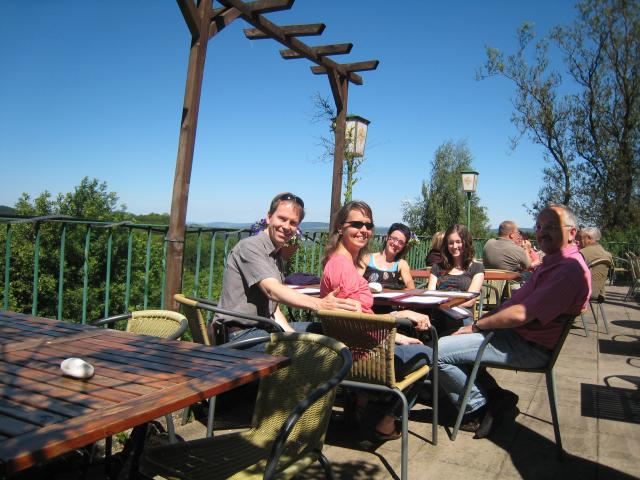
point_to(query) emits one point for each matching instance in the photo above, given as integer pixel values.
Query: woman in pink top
(342, 260)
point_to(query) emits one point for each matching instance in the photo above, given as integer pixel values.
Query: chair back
(633, 266)
(157, 323)
(599, 274)
(197, 323)
(567, 319)
(316, 361)
(371, 339)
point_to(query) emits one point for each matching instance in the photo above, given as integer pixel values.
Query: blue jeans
(247, 333)
(457, 353)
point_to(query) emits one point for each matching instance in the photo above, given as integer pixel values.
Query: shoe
(471, 421)
(501, 402)
(383, 437)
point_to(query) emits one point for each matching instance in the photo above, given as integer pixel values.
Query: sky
(96, 89)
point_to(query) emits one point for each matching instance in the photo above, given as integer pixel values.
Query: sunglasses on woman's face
(358, 224)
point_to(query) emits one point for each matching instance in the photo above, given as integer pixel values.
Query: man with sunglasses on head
(525, 332)
(254, 276)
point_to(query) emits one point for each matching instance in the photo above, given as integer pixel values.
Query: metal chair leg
(404, 452)
(595, 315)
(210, 414)
(604, 318)
(551, 389)
(467, 389)
(584, 325)
(170, 428)
(326, 466)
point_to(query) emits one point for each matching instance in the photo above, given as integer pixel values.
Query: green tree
(324, 111)
(442, 202)
(591, 134)
(89, 200)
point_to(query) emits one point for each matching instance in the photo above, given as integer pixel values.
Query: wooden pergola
(204, 22)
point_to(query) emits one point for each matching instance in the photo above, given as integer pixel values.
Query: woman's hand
(404, 340)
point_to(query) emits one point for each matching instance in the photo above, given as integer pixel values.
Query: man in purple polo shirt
(525, 332)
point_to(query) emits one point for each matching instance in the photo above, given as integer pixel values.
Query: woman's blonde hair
(436, 240)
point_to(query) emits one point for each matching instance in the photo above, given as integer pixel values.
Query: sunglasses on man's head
(358, 224)
(292, 197)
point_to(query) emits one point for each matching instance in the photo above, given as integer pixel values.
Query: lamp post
(349, 144)
(356, 135)
(469, 185)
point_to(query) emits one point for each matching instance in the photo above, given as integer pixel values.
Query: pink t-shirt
(562, 284)
(340, 272)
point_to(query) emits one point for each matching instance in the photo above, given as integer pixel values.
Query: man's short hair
(591, 232)
(287, 197)
(507, 227)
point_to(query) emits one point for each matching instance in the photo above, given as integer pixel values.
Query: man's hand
(404, 340)
(463, 330)
(420, 321)
(331, 302)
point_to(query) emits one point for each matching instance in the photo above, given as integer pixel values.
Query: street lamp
(469, 185)
(356, 135)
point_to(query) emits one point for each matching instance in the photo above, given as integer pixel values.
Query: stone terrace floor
(598, 388)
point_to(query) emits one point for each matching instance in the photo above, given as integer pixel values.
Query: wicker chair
(289, 424)
(155, 323)
(567, 321)
(599, 270)
(371, 339)
(193, 308)
(634, 268)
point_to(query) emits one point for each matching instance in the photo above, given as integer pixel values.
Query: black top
(460, 282)
(434, 257)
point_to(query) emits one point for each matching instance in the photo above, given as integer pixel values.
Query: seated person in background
(458, 271)
(533, 254)
(388, 267)
(435, 254)
(343, 256)
(525, 330)
(591, 250)
(506, 252)
(253, 278)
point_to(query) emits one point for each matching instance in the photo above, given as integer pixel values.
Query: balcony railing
(78, 269)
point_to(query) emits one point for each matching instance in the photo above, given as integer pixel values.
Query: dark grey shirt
(252, 260)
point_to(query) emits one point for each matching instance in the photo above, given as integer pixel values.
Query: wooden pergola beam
(351, 67)
(275, 32)
(191, 16)
(308, 30)
(223, 17)
(337, 49)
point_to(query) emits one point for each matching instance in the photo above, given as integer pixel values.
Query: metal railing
(79, 269)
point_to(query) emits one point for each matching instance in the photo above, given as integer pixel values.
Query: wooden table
(488, 274)
(402, 298)
(137, 378)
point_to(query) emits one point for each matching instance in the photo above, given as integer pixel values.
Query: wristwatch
(474, 326)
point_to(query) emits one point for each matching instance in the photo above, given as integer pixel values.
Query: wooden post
(340, 89)
(177, 220)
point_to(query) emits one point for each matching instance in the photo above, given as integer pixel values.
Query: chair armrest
(212, 307)
(184, 324)
(310, 399)
(111, 319)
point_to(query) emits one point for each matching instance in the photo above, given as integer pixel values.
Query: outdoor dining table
(44, 414)
(488, 274)
(418, 298)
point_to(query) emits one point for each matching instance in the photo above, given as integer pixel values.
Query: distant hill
(4, 210)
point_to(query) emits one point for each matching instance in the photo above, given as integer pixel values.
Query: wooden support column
(198, 20)
(340, 90)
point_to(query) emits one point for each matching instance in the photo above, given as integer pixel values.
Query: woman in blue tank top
(387, 266)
